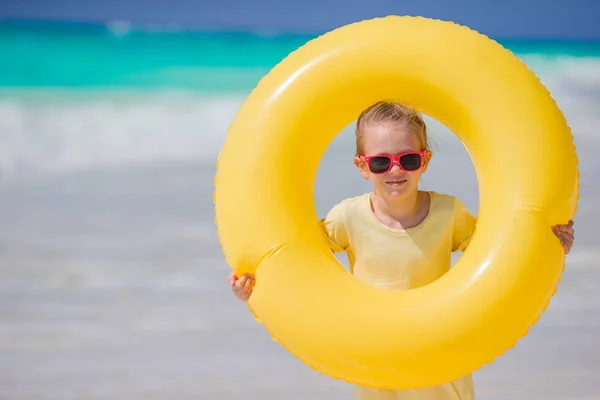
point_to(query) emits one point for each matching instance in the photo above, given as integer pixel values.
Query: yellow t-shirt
(402, 259)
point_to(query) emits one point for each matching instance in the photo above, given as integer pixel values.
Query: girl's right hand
(242, 286)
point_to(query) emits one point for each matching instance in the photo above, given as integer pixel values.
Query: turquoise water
(52, 54)
(76, 55)
(78, 96)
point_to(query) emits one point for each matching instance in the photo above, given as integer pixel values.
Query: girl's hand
(566, 234)
(241, 287)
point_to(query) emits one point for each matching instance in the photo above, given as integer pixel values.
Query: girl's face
(392, 139)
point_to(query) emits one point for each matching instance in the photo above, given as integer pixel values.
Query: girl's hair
(384, 112)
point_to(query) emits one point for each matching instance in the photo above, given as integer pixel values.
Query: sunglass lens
(411, 162)
(379, 165)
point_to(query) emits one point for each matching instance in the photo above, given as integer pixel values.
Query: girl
(398, 237)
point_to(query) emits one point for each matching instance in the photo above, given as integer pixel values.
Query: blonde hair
(384, 112)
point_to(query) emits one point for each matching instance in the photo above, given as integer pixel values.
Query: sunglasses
(380, 164)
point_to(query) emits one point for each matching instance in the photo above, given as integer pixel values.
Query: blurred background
(112, 282)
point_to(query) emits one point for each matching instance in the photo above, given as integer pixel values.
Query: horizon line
(127, 26)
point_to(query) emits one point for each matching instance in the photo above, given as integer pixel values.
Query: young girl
(398, 237)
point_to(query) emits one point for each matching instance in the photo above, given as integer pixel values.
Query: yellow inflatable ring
(526, 165)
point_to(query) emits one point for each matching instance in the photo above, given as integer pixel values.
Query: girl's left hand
(566, 234)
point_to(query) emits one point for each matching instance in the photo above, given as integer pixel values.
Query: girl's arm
(463, 227)
(335, 227)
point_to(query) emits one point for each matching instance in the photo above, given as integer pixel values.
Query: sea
(112, 281)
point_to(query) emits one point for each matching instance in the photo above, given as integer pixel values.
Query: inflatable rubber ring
(526, 165)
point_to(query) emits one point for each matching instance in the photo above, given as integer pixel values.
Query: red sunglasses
(380, 164)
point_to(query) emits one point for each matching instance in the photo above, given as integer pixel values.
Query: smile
(396, 182)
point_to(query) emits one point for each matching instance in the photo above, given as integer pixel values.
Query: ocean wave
(72, 133)
(58, 131)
